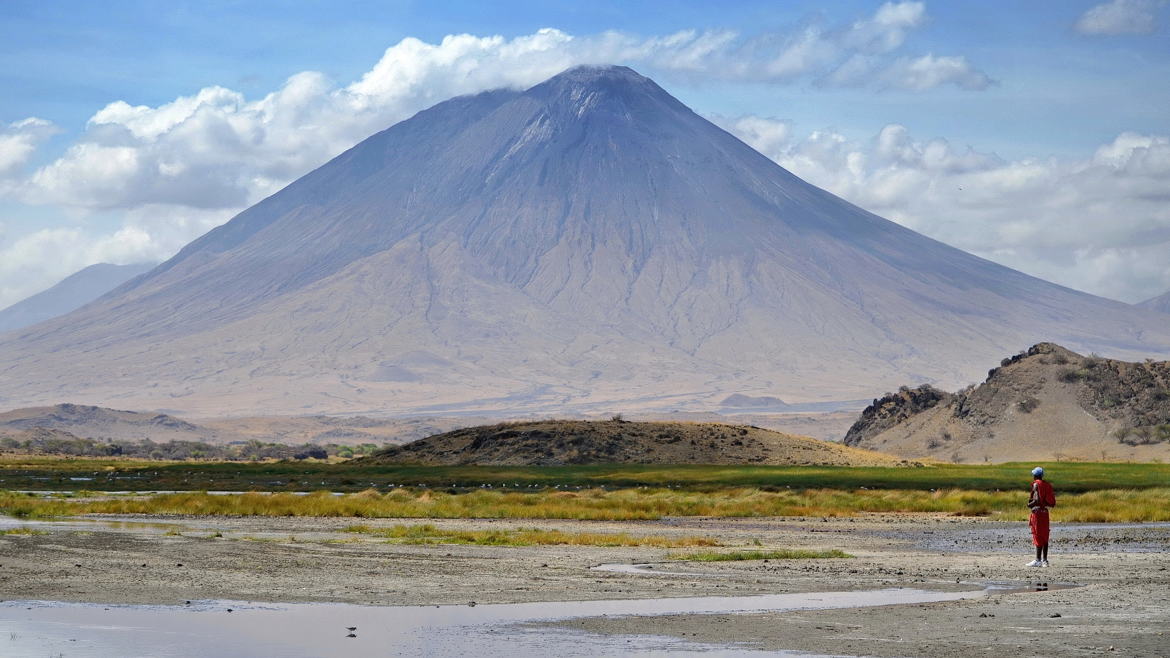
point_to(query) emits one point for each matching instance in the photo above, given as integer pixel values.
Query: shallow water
(80, 523)
(207, 628)
(647, 569)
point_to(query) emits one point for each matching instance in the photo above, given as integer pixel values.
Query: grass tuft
(23, 531)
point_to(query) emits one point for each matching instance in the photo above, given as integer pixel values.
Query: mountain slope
(1045, 403)
(1160, 303)
(72, 292)
(584, 244)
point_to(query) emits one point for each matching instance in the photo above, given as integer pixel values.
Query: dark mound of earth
(560, 442)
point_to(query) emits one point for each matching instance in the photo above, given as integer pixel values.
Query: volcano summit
(587, 244)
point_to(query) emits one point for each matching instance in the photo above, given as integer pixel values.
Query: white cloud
(928, 72)
(1100, 223)
(913, 74)
(1120, 17)
(217, 149)
(37, 260)
(33, 262)
(887, 30)
(19, 140)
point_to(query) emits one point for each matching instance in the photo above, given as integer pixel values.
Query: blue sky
(1038, 102)
(1058, 91)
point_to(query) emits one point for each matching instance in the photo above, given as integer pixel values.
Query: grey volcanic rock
(1161, 303)
(588, 245)
(71, 293)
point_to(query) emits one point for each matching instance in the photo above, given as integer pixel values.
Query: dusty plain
(1121, 608)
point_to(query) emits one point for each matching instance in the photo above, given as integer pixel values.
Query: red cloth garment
(1041, 498)
(1038, 521)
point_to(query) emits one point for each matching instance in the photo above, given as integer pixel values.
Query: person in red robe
(1041, 499)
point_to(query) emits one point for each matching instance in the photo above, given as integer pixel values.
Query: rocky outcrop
(1047, 402)
(891, 409)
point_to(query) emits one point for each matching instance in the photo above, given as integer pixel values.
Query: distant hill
(92, 422)
(740, 401)
(71, 293)
(1045, 403)
(99, 422)
(558, 442)
(1161, 303)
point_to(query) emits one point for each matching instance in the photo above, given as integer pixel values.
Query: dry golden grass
(1109, 505)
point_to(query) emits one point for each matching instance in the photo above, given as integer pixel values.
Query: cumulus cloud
(887, 29)
(19, 140)
(218, 149)
(1100, 223)
(1120, 17)
(32, 262)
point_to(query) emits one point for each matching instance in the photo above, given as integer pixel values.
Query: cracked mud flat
(1123, 608)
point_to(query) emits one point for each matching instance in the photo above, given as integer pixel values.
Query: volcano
(588, 244)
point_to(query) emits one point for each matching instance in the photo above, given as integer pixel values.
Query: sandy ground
(1122, 608)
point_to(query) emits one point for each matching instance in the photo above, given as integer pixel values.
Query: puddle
(993, 587)
(296, 630)
(77, 523)
(1038, 585)
(647, 569)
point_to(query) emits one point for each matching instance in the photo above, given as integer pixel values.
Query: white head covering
(1038, 472)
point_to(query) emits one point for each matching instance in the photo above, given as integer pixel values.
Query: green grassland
(114, 475)
(1105, 492)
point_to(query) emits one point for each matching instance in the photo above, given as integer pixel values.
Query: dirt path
(1125, 603)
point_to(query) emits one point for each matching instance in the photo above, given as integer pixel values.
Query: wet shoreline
(153, 561)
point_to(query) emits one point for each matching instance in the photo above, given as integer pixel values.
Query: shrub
(1075, 375)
